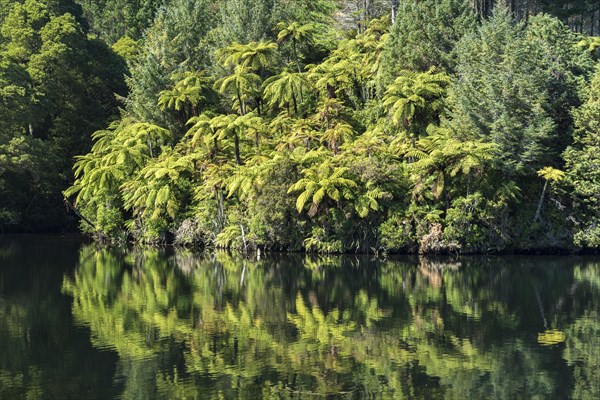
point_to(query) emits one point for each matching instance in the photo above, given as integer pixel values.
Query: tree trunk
(220, 207)
(242, 107)
(296, 55)
(394, 6)
(330, 92)
(236, 147)
(76, 211)
(295, 103)
(539, 207)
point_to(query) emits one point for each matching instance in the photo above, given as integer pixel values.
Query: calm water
(80, 322)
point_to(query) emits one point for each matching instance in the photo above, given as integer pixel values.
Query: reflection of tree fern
(244, 321)
(583, 355)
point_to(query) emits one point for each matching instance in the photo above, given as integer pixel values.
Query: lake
(79, 321)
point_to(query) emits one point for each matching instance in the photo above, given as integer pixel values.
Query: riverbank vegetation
(414, 126)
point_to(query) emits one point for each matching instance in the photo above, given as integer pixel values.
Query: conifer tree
(424, 35)
(497, 95)
(245, 21)
(582, 173)
(173, 45)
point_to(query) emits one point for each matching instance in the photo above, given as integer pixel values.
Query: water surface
(78, 321)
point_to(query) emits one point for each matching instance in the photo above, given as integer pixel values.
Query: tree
(498, 96)
(244, 21)
(58, 86)
(201, 133)
(228, 127)
(186, 94)
(441, 156)
(114, 19)
(549, 174)
(316, 11)
(506, 66)
(253, 56)
(285, 89)
(337, 135)
(153, 195)
(555, 48)
(174, 44)
(242, 85)
(581, 161)
(415, 100)
(425, 35)
(296, 33)
(117, 156)
(331, 78)
(581, 16)
(319, 183)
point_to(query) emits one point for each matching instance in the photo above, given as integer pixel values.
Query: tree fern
(320, 182)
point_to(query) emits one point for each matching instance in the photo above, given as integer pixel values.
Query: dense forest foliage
(57, 86)
(327, 126)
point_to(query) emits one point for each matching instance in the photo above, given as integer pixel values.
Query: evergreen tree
(304, 12)
(113, 19)
(583, 175)
(503, 92)
(564, 66)
(424, 35)
(245, 21)
(175, 43)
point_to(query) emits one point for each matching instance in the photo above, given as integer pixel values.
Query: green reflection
(41, 355)
(219, 326)
(583, 336)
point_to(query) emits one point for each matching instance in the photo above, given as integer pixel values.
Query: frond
(300, 185)
(334, 193)
(304, 197)
(416, 153)
(76, 188)
(318, 196)
(163, 195)
(551, 174)
(438, 185)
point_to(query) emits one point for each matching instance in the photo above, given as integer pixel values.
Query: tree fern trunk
(296, 55)
(539, 207)
(294, 101)
(236, 144)
(330, 92)
(239, 97)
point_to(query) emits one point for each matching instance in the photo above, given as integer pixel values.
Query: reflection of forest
(41, 355)
(218, 326)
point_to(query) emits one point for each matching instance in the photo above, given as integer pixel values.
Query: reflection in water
(582, 350)
(219, 326)
(42, 355)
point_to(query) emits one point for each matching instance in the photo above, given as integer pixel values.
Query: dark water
(80, 322)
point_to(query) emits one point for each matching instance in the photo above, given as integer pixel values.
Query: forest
(328, 126)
